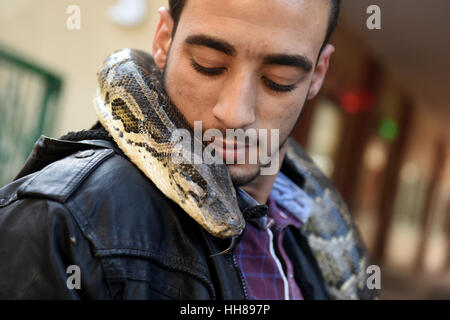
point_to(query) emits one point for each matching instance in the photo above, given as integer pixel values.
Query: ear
(320, 71)
(163, 37)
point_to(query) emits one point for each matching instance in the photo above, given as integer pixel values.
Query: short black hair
(176, 7)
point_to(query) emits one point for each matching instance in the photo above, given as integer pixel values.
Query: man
(85, 206)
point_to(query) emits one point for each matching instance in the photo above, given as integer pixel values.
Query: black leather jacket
(84, 203)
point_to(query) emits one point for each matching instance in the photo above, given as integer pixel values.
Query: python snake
(134, 108)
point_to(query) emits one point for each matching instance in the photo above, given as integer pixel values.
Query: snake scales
(134, 108)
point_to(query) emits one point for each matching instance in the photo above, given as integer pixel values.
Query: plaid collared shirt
(260, 255)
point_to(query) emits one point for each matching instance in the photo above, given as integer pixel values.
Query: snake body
(136, 111)
(134, 108)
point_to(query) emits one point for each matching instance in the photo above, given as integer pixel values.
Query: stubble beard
(242, 175)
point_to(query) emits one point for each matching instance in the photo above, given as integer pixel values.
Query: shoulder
(102, 190)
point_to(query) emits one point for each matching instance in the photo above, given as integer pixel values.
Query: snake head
(208, 193)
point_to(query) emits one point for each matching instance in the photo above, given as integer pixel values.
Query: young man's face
(244, 64)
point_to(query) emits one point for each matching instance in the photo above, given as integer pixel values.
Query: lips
(227, 144)
(249, 143)
(232, 151)
(232, 154)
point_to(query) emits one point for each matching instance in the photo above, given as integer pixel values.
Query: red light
(351, 102)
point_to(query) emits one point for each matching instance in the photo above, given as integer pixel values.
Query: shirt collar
(291, 198)
(287, 203)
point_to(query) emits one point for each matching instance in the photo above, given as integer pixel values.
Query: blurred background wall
(380, 129)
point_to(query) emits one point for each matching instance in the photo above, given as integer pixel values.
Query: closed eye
(277, 87)
(207, 71)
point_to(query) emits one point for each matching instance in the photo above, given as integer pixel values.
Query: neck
(261, 186)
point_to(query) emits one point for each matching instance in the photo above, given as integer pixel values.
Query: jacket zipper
(241, 277)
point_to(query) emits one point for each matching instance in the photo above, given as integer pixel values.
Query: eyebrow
(211, 42)
(296, 60)
(289, 60)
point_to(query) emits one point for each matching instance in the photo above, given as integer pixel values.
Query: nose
(236, 107)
